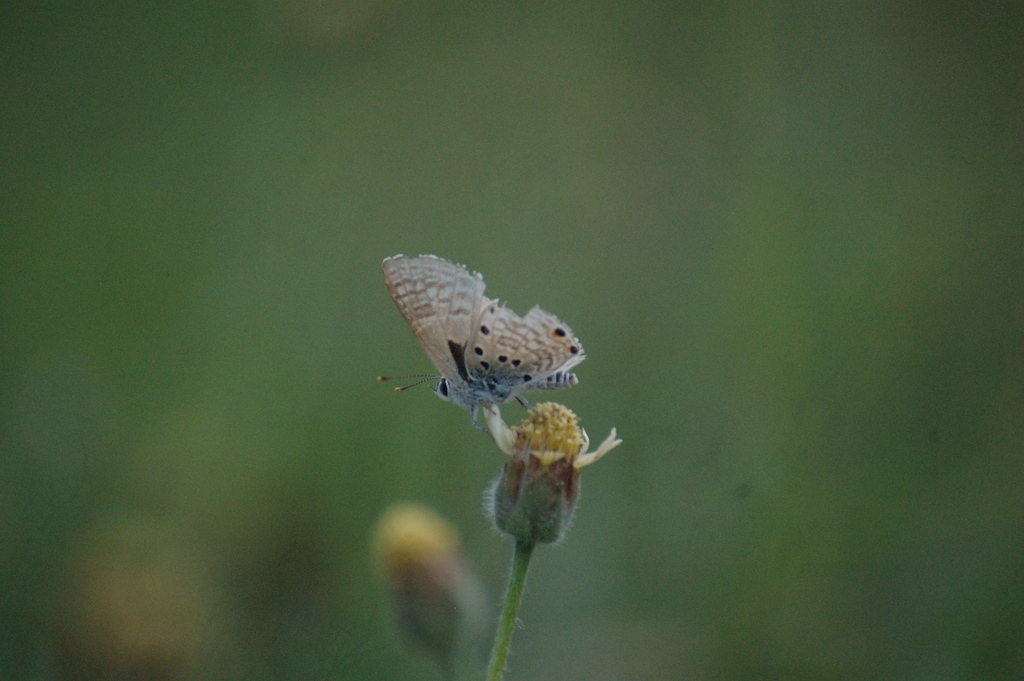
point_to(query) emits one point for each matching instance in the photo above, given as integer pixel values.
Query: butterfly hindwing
(520, 350)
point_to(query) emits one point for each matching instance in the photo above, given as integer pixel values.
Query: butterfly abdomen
(559, 379)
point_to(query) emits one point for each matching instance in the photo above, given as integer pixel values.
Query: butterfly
(486, 353)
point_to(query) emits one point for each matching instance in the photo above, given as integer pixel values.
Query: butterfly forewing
(438, 299)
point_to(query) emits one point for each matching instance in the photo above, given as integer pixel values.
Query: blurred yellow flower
(436, 599)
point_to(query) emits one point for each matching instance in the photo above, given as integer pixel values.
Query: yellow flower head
(534, 498)
(550, 432)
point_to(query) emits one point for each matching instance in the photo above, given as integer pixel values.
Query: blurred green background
(789, 235)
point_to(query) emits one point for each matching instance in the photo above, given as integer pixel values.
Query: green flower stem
(509, 613)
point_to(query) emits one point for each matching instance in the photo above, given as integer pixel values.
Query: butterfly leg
(523, 401)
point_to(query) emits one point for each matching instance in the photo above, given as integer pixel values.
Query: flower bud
(437, 601)
(534, 498)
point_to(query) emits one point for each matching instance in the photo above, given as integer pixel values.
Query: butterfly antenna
(423, 379)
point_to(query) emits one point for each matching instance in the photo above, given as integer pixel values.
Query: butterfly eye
(442, 388)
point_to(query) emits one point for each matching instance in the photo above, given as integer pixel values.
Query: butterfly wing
(522, 353)
(439, 300)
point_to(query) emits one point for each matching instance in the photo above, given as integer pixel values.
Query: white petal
(501, 433)
(610, 443)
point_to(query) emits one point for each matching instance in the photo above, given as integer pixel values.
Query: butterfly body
(485, 352)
